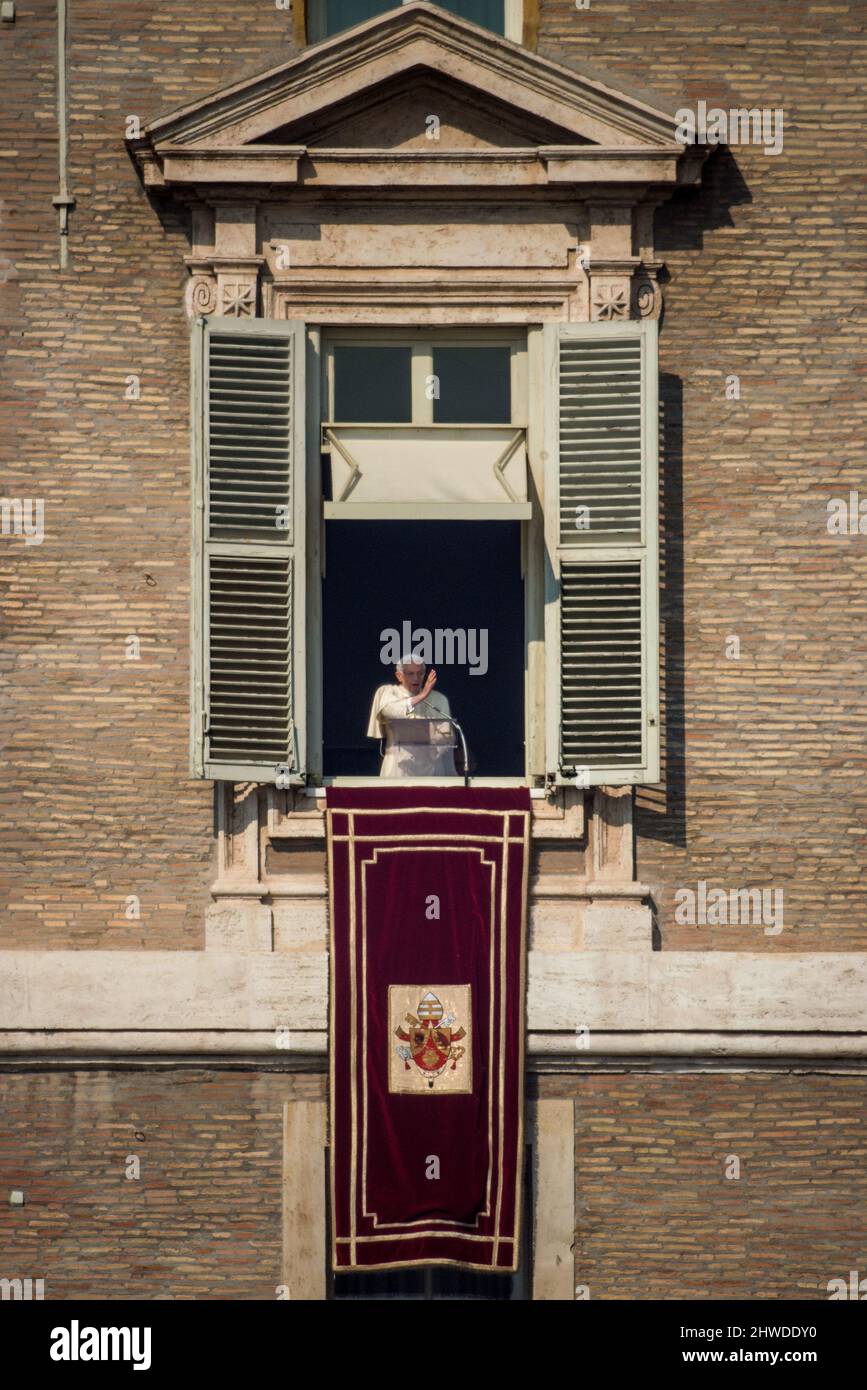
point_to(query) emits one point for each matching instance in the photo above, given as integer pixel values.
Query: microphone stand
(457, 726)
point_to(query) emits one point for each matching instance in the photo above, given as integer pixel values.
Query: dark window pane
(474, 386)
(490, 14)
(373, 384)
(342, 14)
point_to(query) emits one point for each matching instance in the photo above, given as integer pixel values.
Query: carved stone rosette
(635, 294)
(230, 293)
(611, 292)
(238, 287)
(609, 297)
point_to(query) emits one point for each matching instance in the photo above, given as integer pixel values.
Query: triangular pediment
(356, 109)
(416, 110)
(418, 36)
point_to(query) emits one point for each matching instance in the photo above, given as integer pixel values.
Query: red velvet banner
(428, 893)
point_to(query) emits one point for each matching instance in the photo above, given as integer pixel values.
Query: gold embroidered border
(354, 1238)
(418, 1264)
(440, 839)
(491, 864)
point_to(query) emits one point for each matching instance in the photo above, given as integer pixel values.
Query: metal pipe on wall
(63, 201)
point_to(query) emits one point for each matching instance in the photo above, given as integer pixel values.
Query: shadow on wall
(660, 812)
(680, 224)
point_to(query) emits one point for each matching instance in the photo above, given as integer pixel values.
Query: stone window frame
(549, 1262)
(620, 160)
(542, 548)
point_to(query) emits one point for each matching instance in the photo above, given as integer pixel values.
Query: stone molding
(225, 155)
(304, 1220)
(597, 906)
(551, 1130)
(679, 1002)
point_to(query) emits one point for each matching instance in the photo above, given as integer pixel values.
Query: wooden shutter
(248, 550)
(601, 524)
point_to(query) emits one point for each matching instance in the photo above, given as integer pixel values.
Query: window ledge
(300, 815)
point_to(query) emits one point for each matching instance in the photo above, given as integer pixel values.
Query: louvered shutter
(601, 521)
(248, 550)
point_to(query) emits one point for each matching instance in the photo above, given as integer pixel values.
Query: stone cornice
(620, 992)
(614, 171)
(402, 40)
(616, 157)
(177, 164)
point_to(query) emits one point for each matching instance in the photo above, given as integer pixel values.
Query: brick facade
(202, 1221)
(655, 1215)
(765, 755)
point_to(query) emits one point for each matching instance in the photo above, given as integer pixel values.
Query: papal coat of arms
(432, 1054)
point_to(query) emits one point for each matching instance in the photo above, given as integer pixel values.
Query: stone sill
(290, 816)
(313, 887)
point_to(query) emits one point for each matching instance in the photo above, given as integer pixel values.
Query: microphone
(448, 719)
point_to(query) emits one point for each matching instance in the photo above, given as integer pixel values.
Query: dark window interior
(342, 14)
(474, 385)
(456, 574)
(372, 384)
(490, 14)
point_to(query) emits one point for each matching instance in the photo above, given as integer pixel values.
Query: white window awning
(427, 472)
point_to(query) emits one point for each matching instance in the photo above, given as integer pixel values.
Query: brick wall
(203, 1220)
(765, 756)
(97, 803)
(655, 1215)
(657, 1218)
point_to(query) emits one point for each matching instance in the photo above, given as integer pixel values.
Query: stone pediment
(418, 164)
(421, 110)
(354, 110)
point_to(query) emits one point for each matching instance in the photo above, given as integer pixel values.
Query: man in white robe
(413, 698)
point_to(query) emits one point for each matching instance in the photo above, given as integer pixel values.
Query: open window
(425, 491)
(489, 492)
